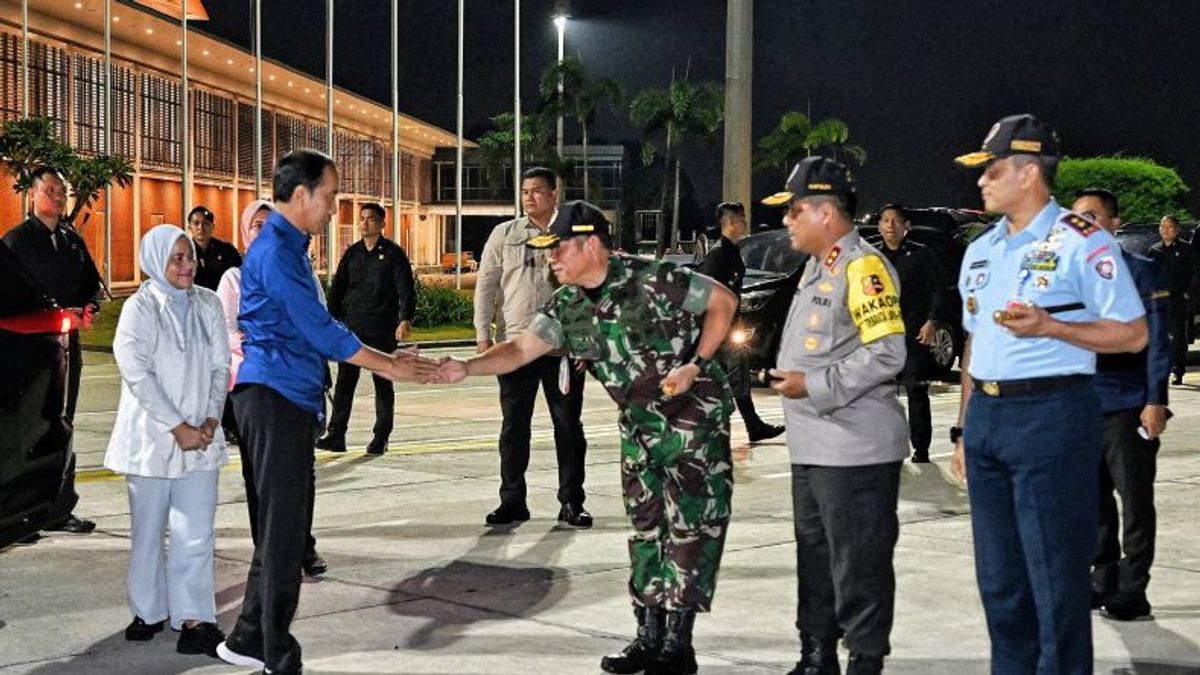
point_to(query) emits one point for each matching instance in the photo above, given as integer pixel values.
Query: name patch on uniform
(1106, 267)
(876, 314)
(979, 264)
(818, 300)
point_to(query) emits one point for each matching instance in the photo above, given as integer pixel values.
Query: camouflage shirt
(643, 322)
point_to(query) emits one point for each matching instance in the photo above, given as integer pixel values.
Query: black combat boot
(817, 657)
(677, 656)
(864, 664)
(639, 654)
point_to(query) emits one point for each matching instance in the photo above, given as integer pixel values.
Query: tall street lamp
(560, 22)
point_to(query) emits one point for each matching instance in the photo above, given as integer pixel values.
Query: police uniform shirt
(58, 261)
(844, 331)
(212, 261)
(1058, 259)
(724, 264)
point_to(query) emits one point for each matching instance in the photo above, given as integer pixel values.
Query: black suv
(35, 437)
(773, 272)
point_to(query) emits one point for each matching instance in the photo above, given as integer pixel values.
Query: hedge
(1147, 190)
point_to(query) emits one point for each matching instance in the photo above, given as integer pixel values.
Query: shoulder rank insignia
(1080, 224)
(832, 257)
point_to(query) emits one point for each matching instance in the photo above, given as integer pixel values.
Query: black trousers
(1177, 330)
(278, 436)
(1129, 466)
(67, 496)
(347, 381)
(518, 392)
(846, 529)
(736, 363)
(310, 544)
(920, 417)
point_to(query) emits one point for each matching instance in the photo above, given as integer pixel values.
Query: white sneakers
(229, 656)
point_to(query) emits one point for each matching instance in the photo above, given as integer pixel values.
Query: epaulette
(1080, 224)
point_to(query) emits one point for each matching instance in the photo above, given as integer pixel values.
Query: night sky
(917, 82)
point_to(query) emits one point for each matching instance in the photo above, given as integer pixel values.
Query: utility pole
(739, 61)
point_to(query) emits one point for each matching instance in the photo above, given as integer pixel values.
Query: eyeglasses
(1090, 215)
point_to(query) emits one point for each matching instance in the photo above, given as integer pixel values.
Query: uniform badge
(810, 343)
(1042, 282)
(871, 284)
(1106, 267)
(825, 287)
(814, 320)
(972, 303)
(832, 257)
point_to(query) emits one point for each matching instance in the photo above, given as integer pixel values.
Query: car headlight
(741, 336)
(754, 301)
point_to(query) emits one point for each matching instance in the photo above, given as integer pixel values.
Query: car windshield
(1138, 240)
(770, 253)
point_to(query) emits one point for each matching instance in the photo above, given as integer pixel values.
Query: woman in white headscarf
(254, 216)
(173, 355)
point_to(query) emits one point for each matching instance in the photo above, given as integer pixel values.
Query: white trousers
(180, 585)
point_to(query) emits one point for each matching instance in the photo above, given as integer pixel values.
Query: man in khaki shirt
(514, 283)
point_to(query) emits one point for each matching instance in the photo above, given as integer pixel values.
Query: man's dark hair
(730, 208)
(892, 207)
(299, 167)
(1106, 197)
(202, 210)
(543, 173)
(372, 206)
(41, 172)
(1047, 167)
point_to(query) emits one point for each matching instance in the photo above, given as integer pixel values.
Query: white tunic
(170, 373)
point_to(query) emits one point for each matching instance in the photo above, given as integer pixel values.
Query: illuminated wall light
(178, 43)
(204, 52)
(116, 19)
(272, 78)
(79, 5)
(149, 31)
(289, 83)
(229, 62)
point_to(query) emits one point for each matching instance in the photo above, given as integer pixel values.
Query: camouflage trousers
(677, 479)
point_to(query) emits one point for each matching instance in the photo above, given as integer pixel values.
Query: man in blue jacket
(288, 336)
(1133, 398)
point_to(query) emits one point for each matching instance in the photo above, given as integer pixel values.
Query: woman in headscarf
(230, 292)
(173, 355)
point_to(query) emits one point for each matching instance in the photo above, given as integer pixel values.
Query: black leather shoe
(73, 525)
(202, 638)
(639, 654)
(232, 438)
(920, 457)
(377, 447)
(1127, 607)
(817, 657)
(575, 516)
(1177, 379)
(140, 631)
(864, 664)
(314, 564)
(332, 443)
(507, 514)
(764, 431)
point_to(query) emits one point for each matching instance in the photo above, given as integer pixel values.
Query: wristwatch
(699, 361)
(955, 434)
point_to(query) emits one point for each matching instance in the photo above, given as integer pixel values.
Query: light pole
(560, 22)
(516, 108)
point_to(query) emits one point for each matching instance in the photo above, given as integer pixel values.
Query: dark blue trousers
(1031, 467)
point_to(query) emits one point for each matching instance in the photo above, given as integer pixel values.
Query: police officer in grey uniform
(843, 345)
(1043, 291)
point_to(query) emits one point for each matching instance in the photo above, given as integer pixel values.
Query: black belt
(1026, 387)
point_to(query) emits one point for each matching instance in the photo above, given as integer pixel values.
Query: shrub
(1146, 189)
(442, 306)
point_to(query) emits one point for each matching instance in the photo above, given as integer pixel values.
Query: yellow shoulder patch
(872, 299)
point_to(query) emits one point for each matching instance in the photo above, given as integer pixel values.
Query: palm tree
(496, 146)
(581, 97)
(672, 115)
(796, 137)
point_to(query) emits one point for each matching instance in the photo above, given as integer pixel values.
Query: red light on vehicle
(66, 325)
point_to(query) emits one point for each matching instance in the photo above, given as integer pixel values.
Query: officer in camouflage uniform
(647, 331)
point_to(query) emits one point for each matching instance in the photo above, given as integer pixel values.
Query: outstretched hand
(409, 366)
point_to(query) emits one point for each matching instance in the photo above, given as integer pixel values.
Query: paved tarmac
(417, 584)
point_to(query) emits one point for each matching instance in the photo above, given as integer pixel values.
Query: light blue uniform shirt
(1059, 259)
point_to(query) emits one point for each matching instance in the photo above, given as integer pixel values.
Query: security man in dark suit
(213, 256)
(57, 258)
(373, 293)
(1179, 261)
(724, 264)
(1133, 399)
(920, 301)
